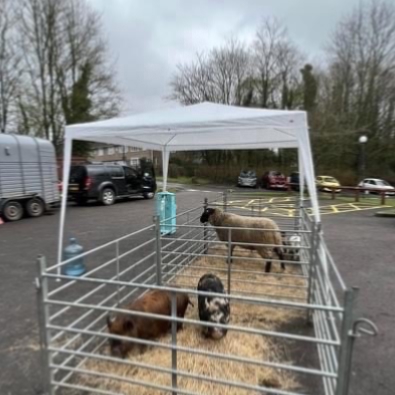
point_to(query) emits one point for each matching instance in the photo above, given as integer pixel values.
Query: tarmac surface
(361, 244)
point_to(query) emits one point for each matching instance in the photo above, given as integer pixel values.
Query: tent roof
(200, 126)
(197, 127)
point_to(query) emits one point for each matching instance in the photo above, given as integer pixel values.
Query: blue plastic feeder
(76, 267)
(166, 209)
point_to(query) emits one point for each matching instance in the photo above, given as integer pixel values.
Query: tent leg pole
(66, 174)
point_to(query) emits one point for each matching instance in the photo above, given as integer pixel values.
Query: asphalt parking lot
(361, 244)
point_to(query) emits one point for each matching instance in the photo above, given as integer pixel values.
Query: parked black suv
(107, 182)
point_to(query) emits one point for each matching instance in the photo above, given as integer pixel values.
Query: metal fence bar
(237, 243)
(140, 365)
(185, 243)
(326, 355)
(43, 318)
(93, 323)
(240, 280)
(205, 205)
(294, 263)
(174, 343)
(117, 272)
(158, 245)
(103, 285)
(261, 273)
(167, 388)
(347, 335)
(312, 259)
(101, 267)
(261, 332)
(108, 298)
(229, 258)
(179, 253)
(211, 294)
(275, 365)
(195, 253)
(84, 254)
(188, 259)
(333, 265)
(243, 228)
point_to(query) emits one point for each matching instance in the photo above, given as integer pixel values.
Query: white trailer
(28, 176)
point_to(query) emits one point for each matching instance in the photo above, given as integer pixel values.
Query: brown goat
(155, 302)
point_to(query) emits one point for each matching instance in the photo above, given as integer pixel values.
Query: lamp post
(362, 142)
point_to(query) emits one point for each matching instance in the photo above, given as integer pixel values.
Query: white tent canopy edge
(204, 126)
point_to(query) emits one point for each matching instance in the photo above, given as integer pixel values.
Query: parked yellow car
(327, 183)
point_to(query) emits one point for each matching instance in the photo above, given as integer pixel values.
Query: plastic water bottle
(77, 266)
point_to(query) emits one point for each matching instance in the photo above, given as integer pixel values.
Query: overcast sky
(149, 37)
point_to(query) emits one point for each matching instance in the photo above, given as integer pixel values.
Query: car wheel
(148, 195)
(366, 192)
(35, 207)
(107, 197)
(13, 211)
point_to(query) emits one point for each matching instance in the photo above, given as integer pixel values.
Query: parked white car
(377, 186)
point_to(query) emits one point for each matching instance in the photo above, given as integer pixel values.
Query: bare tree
(217, 76)
(61, 41)
(363, 50)
(356, 94)
(275, 66)
(10, 70)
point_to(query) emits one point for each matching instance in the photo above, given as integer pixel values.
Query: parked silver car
(376, 185)
(247, 178)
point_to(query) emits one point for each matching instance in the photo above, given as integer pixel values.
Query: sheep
(217, 217)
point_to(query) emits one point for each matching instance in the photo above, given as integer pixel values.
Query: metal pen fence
(72, 314)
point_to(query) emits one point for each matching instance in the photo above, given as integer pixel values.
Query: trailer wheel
(12, 211)
(35, 207)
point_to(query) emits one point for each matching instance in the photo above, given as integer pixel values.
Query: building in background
(118, 153)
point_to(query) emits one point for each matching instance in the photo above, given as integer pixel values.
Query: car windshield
(247, 173)
(329, 179)
(276, 174)
(382, 183)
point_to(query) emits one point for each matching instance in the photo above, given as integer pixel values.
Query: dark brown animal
(155, 302)
(182, 304)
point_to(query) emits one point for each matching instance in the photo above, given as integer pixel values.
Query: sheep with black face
(213, 309)
(267, 233)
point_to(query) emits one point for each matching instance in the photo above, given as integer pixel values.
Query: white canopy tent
(202, 126)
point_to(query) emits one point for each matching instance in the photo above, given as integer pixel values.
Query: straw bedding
(235, 343)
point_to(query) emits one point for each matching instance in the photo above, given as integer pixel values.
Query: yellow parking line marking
(288, 210)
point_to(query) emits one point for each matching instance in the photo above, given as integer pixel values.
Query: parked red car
(274, 180)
